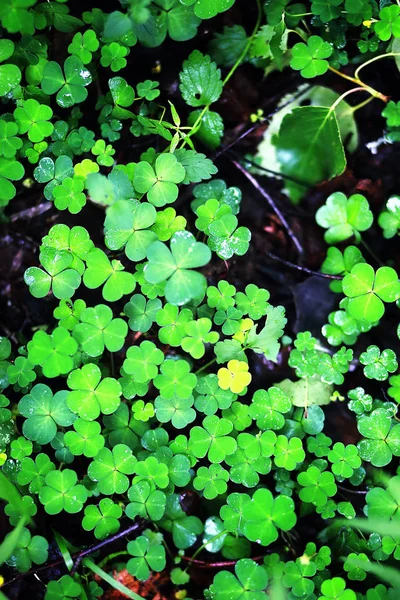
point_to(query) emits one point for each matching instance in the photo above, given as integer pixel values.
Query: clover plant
(170, 423)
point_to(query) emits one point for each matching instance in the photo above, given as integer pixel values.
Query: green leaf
(61, 492)
(309, 147)
(127, 225)
(248, 584)
(100, 270)
(344, 217)
(92, 395)
(206, 9)
(263, 515)
(148, 557)
(110, 469)
(196, 165)
(10, 75)
(71, 87)
(102, 518)
(98, 330)
(200, 78)
(266, 341)
(309, 58)
(175, 266)
(52, 352)
(159, 183)
(44, 412)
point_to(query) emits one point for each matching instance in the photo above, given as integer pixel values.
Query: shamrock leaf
(344, 217)
(83, 45)
(61, 492)
(248, 583)
(382, 441)
(368, 290)
(86, 439)
(389, 23)
(378, 364)
(102, 518)
(100, 270)
(145, 501)
(184, 528)
(173, 323)
(212, 439)
(143, 361)
(309, 58)
(334, 589)
(148, 557)
(52, 352)
(197, 335)
(10, 75)
(34, 118)
(212, 480)
(98, 329)
(344, 459)
(69, 195)
(28, 550)
(297, 577)
(268, 408)
(127, 226)
(235, 376)
(21, 372)
(153, 470)
(317, 486)
(10, 170)
(53, 173)
(33, 472)
(384, 504)
(123, 428)
(210, 397)
(159, 183)
(142, 313)
(177, 410)
(263, 514)
(288, 452)
(70, 86)
(91, 395)
(110, 469)
(63, 589)
(389, 219)
(9, 143)
(75, 240)
(44, 412)
(58, 276)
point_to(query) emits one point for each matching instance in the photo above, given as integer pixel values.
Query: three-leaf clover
(86, 439)
(177, 410)
(310, 58)
(58, 275)
(248, 583)
(368, 290)
(344, 217)
(100, 270)
(160, 183)
(235, 376)
(382, 441)
(264, 514)
(268, 407)
(110, 469)
(317, 486)
(98, 329)
(378, 364)
(127, 226)
(63, 589)
(145, 502)
(147, 557)
(197, 335)
(44, 412)
(34, 118)
(211, 480)
(69, 195)
(141, 312)
(102, 518)
(70, 86)
(389, 219)
(335, 589)
(389, 23)
(90, 394)
(175, 379)
(344, 459)
(28, 550)
(61, 492)
(53, 352)
(212, 439)
(33, 472)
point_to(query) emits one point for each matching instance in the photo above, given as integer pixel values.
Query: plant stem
(372, 60)
(242, 56)
(204, 367)
(343, 96)
(215, 565)
(212, 539)
(81, 555)
(303, 269)
(358, 82)
(272, 204)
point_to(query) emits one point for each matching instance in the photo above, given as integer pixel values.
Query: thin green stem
(215, 537)
(343, 96)
(110, 557)
(372, 60)
(203, 368)
(361, 105)
(358, 82)
(241, 58)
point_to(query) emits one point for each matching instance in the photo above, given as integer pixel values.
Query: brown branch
(272, 204)
(202, 564)
(30, 213)
(303, 269)
(79, 556)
